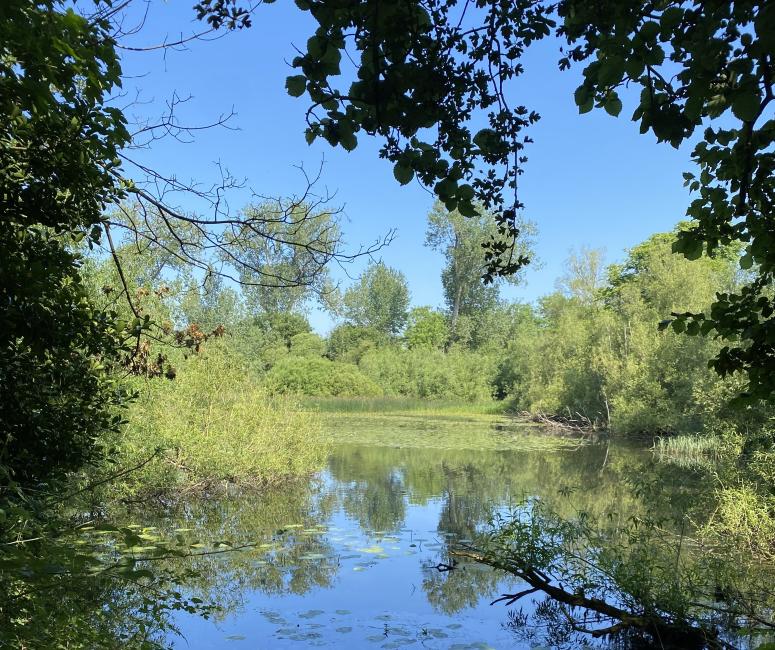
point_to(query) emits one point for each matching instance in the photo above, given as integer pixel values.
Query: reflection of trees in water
(289, 553)
(377, 503)
(292, 554)
(472, 485)
(452, 591)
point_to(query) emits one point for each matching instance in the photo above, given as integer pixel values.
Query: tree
(348, 342)
(584, 274)
(426, 328)
(58, 144)
(379, 300)
(287, 260)
(426, 72)
(68, 180)
(462, 241)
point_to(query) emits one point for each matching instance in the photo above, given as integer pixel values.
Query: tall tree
(380, 299)
(584, 274)
(462, 241)
(287, 259)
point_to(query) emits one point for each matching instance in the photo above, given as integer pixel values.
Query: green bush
(431, 374)
(307, 344)
(215, 423)
(319, 377)
(349, 343)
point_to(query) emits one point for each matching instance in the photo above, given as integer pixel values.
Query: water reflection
(351, 559)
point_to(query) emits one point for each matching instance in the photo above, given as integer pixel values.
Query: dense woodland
(150, 356)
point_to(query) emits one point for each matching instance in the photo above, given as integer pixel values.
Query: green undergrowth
(215, 424)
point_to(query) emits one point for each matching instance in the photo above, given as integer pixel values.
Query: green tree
(426, 328)
(347, 342)
(380, 300)
(698, 65)
(462, 241)
(584, 275)
(286, 257)
(59, 144)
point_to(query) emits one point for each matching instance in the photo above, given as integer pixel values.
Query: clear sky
(590, 180)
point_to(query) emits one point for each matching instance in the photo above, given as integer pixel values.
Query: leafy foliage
(426, 328)
(56, 348)
(216, 423)
(427, 71)
(349, 343)
(379, 300)
(462, 241)
(317, 376)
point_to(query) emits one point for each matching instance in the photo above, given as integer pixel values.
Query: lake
(356, 557)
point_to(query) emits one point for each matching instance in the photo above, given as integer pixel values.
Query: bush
(350, 342)
(307, 344)
(431, 374)
(215, 423)
(319, 377)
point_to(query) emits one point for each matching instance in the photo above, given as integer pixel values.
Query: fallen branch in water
(577, 423)
(670, 635)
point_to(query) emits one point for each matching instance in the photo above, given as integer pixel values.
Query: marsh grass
(743, 520)
(214, 424)
(689, 450)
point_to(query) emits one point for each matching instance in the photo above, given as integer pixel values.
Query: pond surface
(351, 558)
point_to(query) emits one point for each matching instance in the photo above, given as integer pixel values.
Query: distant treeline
(592, 349)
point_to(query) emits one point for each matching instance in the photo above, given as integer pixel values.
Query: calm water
(349, 560)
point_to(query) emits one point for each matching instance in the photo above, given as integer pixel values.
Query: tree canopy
(428, 73)
(379, 300)
(462, 241)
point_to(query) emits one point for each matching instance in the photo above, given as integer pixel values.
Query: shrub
(215, 423)
(307, 344)
(319, 377)
(431, 374)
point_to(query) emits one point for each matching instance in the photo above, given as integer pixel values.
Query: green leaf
(746, 105)
(485, 138)
(296, 85)
(611, 70)
(465, 192)
(582, 95)
(746, 261)
(586, 106)
(613, 105)
(403, 173)
(466, 208)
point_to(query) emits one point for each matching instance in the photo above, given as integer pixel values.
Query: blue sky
(590, 180)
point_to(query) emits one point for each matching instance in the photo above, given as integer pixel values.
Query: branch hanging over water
(671, 635)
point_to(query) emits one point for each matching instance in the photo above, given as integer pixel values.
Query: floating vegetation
(397, 405)
(451, 432)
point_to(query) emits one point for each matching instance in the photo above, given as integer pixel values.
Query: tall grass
(689, 450)
(215, 423)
